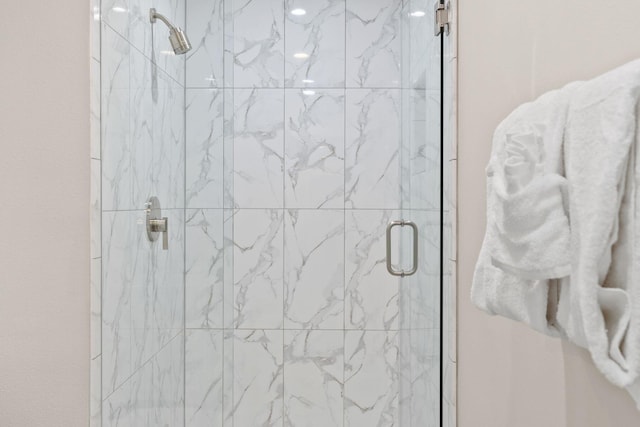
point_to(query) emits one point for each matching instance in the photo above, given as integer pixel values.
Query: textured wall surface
(44, 226)
(509, 53)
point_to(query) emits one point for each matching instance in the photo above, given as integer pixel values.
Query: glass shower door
(295, 132)
(421, 168)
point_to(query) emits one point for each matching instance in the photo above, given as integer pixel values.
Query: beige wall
(44, 213)
(509, 52)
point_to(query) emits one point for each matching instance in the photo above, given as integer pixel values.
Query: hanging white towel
(593, 146)
(527, 241)
(600, 157)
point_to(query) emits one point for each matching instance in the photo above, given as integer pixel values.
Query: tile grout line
(184, 235)
(344, 215)
(284, 253)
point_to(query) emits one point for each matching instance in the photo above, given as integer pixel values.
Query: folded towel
(531, 225)
(527, 240)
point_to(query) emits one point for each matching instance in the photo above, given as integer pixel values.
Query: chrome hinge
(442, 18)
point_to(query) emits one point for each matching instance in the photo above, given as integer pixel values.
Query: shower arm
(153, 16)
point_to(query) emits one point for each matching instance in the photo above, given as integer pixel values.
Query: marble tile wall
(95, 222)
(139, 151)
(302, 120)
(296, 131)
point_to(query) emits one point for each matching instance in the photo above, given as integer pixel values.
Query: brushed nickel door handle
(414, 266)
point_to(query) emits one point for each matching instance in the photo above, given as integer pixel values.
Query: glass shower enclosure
(280, 150)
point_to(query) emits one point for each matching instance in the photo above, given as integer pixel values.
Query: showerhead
(179, 41)
(178, 38)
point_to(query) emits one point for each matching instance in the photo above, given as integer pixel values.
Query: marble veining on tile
(314, 148)
(371, 378)
(116, 154)
(373, 140)
(373, 43)
(258, 146)
(204, 268)
(314, 269)
(258, 378)
(258, 268)
(313, 378)
(371, 294)
(258, 43)
(205, 65)
(203, 377)
(296, 131)
(205, 148)
(315, 43)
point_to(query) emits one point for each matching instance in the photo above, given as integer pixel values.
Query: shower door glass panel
(280, 151)
(420, 153)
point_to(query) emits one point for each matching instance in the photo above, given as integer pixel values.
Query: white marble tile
(405, 378)
(157, 294)
(371, 378)
(405, 148)
(120, 263)
(205, 148)
(142, 104)
(153, 39)
(96, 209)
(228, 402)
(449, 396)
(115, 134)
(116, 408)
(314, 148)
(315, 43)
(425, 374)
(314, 269)
(424, 56)
(96, 22)
(143, 153)
(424, 150)
(450, 146)
(424, 287)
(96, 308)
(228, 249)
(169, 143)
(95, 415)
(258, 268)
(313, 378)
(203, 378)
(405, 44)
(115, 13)
(258, 378)
(229, 44)
(204, 269)
(157, 389)
(130, 19)
(229, 147)
(258, 148)
(373, 137)
(258, 43)
(206, 33)
(371, 297)
(95, 108)
(373, 43)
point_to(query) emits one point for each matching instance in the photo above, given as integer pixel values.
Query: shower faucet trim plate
(156, 224)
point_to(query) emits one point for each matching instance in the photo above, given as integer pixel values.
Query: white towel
(598, 304)
(531, 224)
(600, 156)
(527, 240)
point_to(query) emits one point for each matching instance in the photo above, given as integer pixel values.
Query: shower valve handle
(156, 223)
(161, 226)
